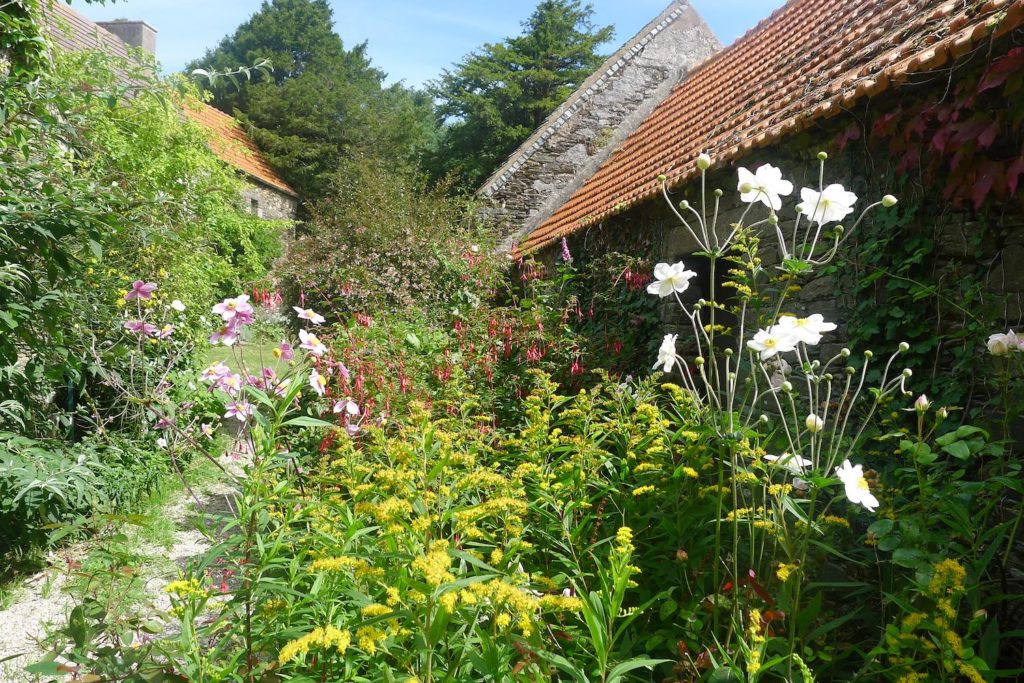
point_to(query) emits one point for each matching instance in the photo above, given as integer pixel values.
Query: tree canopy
(320, 102)
(496, 97)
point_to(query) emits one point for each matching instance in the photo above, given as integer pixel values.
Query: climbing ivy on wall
(955, 156)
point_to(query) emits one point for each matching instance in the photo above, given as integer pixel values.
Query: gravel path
(42, 601)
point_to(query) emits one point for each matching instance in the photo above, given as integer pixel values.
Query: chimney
(135, 33)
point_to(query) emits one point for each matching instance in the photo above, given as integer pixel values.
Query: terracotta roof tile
(809, 60)
(229, 142)
(71, 31)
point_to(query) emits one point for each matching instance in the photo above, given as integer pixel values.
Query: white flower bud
(718, 193)
(746, 187)
(662, 178)
(943, 413)
(869, 354)
(763, 419)
(822, 156)
(787, 387)
(922, 403)
(704, 162)
(684, 205)
(904, 347)
(814, 423)
(908, 373)
(888, 201)
(844, 353)
(698, 361)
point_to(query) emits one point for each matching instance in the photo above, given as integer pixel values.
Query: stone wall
(580, 135)
(652, 229)
(266, 202)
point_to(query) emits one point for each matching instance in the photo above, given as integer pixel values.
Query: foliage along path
(45, 599)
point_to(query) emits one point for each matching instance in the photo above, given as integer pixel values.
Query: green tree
(496, 97)
(321, 102)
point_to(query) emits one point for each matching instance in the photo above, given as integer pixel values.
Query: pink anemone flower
(140, 290)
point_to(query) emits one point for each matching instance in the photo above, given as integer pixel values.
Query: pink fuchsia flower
(284, 351)
(238, 307)
(140, 290)
(240, 410)
(311, 343)
(215, 372)
(318, 382)
(309, 314)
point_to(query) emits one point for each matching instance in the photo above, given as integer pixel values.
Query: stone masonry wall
(271, 204)
(568, 149)
(651, 228)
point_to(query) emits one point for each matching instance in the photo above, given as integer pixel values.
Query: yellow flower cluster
(435, 566)
(188, 588)
(325, 638)
(784, 571)
(756, 641)
(947, 579)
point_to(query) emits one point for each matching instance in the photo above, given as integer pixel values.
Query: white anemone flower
(814, 423)
(857, 490)
(831, 204)
(790, 461)
(309, 314)
(772, 341)
(1002, 344)
(311, 343)
(667, 353)
(318, 382)
(178, 306)
(807, 330)
(669, 279)
(764, 185)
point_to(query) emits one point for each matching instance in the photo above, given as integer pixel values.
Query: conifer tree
(497, 96)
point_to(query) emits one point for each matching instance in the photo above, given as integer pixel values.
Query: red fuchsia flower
(240, 410)
(576, 368)
(617, 346)
(140, 290)
(284, 351)
(364, 320)
(309, 314)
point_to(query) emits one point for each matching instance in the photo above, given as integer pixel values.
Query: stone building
(820, 76)
(581, 134)
(266, 194)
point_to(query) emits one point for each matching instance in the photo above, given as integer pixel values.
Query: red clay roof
(229, 142)
(810, 60)
(71, 31)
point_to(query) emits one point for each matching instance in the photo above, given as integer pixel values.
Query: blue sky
(412, 40)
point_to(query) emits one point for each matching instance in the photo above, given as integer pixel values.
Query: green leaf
(622, 669)
(306, 421)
